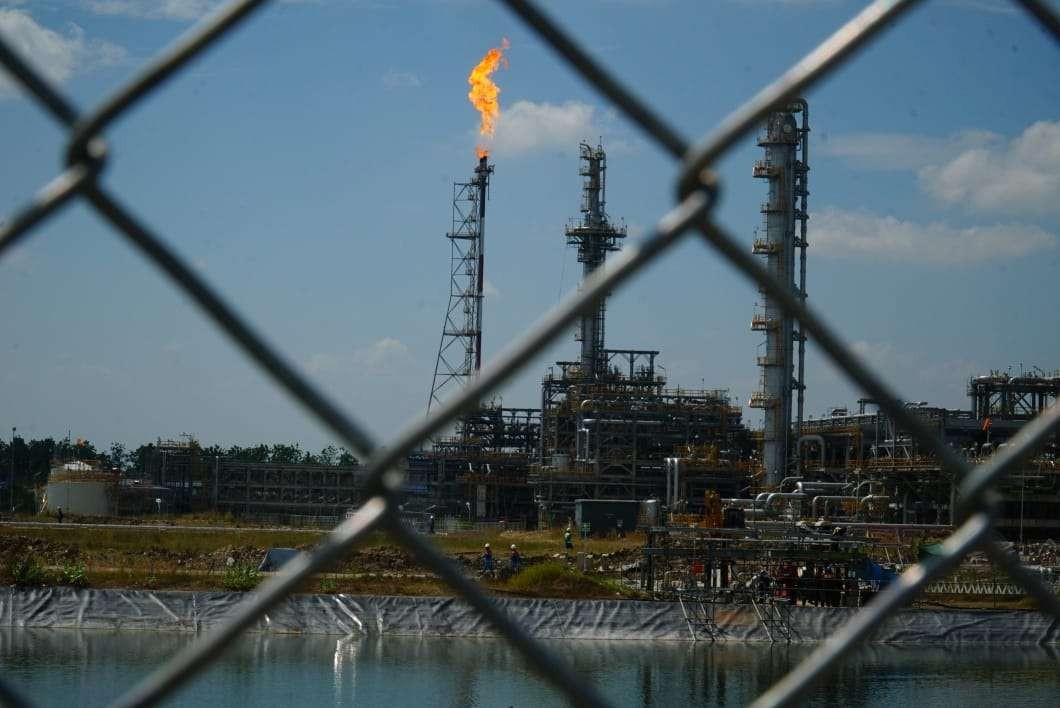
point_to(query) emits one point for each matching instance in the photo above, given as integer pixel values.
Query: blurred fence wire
(696, 192)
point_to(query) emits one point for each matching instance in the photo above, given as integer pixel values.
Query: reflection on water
(265, 670)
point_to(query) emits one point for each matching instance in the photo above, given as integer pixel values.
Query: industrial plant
(610, 427)
(612, 439)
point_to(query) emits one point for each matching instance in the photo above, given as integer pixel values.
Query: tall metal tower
(460, 350)
(785, 168)
(594, 237)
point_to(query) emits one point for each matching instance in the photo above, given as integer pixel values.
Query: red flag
(987, 423)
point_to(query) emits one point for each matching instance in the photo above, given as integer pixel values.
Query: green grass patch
(240, 577)
(26, 571)
(557, 580)
(73, 574)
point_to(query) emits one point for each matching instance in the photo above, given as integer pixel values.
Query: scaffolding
(704, 568)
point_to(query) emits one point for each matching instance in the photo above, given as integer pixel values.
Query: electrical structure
(783, 233)
(460, 349)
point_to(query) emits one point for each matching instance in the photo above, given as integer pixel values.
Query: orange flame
(484, 94)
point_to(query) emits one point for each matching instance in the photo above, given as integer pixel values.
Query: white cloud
(382, 355)
(1017, 176)
(903, 151)
(394, 79)
(57, 56)
(154, 9)
(527, 126)
(974, 168)
(384, 350)
(845, 234)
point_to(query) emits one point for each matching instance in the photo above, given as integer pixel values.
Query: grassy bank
(182, 558)
(180, 540)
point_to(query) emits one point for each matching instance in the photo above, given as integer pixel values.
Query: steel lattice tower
(460, 350)
(594, 237)
(785, 167)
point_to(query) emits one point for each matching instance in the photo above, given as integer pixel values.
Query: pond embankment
(340, 614)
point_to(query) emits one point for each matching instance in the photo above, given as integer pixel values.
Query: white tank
(81, 488)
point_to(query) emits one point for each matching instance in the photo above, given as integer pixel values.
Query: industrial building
(611, 427)
(869, 460)
(195, 482)
(607, 423)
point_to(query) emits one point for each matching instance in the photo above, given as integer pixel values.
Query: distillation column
(783, 231)
(460, 350)
(594, 237)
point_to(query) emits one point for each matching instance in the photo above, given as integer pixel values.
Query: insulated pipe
(669, 464)
(677, 478)
(623, 421)
(826, 498)
(673, 467)
(870, 482)
(804, 438)
(871, 498)
(811, 487)
(482, 173)
(785, 481)
(781, 495)
(740, 503)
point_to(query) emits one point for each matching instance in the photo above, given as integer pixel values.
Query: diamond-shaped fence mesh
(696, 190)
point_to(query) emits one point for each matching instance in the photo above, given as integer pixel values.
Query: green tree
(329, 455)
(115, 456)
(136, 460)
(213, 451)
(286, 454)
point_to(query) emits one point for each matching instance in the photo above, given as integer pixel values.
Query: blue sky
(305, 166)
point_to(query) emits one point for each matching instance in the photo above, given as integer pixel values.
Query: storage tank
(82, 488)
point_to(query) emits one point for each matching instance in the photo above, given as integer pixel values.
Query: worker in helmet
(568, 540)
(515, 561)
(487, 560)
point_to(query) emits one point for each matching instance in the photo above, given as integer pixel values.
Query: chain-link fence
(697, 189)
